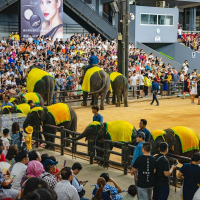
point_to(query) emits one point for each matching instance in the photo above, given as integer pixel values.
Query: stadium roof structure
(171, 3)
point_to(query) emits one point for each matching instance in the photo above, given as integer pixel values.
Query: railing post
(125, 151)
(133, 91)
(91, 151)
(169, 88)
(106, 154)
(73, 144)
(37, 137)
(138, 91)
(62, 132)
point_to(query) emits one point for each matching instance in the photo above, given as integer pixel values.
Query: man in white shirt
(19, 169)
(64, 189)
(133, 80)
(141, 83)
(5, 141)
(186, 66)
(30, 39)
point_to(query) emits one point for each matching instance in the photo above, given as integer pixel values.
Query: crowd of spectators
(64, 60)
(189, 39)
(31, 176)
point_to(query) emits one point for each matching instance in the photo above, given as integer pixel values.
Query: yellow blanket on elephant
(24, 108)
(34, 76)
(188, 137)
(12, 99)
(114, 75)
(60, 112)
(120, 131)
(156, 133)
(32, 96)
(86, 80)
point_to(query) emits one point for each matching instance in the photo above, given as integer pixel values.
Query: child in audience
(5, 140)
(29, 131)
(59, 178)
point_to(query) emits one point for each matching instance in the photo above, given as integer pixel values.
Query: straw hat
(29, 129)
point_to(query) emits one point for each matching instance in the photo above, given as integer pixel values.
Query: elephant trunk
(25, 124)
(84, 134)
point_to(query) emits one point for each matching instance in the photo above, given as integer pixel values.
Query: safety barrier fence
(65, 96)
(124, 150)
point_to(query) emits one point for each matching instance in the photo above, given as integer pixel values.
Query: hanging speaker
(114, 7)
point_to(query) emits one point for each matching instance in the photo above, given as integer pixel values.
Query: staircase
(5, 3)
(89, 19)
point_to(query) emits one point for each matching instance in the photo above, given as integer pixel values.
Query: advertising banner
(42, 18)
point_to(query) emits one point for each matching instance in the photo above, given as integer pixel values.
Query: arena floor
(170, 113)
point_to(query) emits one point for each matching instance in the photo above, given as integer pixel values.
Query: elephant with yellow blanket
(182, 141)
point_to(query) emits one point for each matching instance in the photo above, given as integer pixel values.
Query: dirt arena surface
(170, 113)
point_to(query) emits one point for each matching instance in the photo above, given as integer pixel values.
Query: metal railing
(126, 149)
(173, 89)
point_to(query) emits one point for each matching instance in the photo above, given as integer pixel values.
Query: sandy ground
(170, 113)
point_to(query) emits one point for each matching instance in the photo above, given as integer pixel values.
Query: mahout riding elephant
(59, 114)
(35, 97)
(118, 131)
(99, 84)
(21, 108)
(178, 144)
(41, 82)
(119, 84)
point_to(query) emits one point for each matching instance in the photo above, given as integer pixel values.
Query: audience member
(132, 193)
(11, 155)
(64, 189)
(113, 190)
(76, 168)
(34, 155)
(98, 193)
(5, 141)
(34, 169)
(19, 169)
(50, 168)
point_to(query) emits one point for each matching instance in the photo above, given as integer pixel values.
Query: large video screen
(42, 18)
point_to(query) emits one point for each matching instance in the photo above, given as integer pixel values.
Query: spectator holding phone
(163, 172)
(76, 168)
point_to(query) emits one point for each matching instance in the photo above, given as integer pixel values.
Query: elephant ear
(170, 137)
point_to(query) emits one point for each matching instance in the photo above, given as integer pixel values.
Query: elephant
(21, 108)
(119, 87)
(35, 97)
(175, 146)
(42, 116)
(99, 85)
(102, 131)
(41, 82)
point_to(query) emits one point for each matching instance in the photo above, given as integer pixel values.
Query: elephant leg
(48, 138)
(108, 98)
(103, 96)
(119, 95)
(125, 98)
(92, 102)
(114, 98)
(84, 103)
(96, 95)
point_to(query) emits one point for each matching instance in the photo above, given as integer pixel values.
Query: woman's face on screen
(49, 8)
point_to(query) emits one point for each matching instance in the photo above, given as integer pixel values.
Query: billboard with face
(42, 18)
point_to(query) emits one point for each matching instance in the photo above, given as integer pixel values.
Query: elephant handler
(92, 62)
(154, 90)
(140, 139)
(99, 118)
(142, 125)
